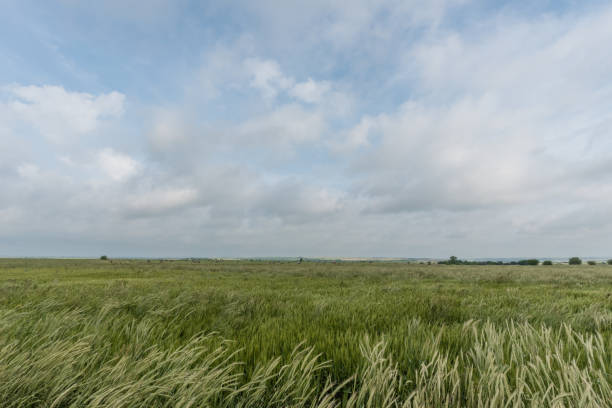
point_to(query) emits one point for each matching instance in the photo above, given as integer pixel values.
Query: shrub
(103, 257)
(591, 262)
(529, 262)
(547, 263)
(575, 261)
(609, 261)
(453, 260)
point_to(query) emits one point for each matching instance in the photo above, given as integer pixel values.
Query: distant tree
(575, 261)
(452, 260)
(592, 262)
(547, 263)
(104, 257)
(529, 262)
(609, 261)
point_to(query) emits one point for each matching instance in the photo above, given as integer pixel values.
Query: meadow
(138, 333)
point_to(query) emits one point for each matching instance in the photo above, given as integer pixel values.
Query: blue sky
(362, 128)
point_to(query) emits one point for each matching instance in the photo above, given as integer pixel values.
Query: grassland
(85, 333)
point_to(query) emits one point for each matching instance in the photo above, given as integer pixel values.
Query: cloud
(287, 126)
(266, 76)
(169, 131)
(508, 119)
(222, 70)
(455, 157)
(117, 166)
(389, 128)
(10, 214)
(233, 68)
(160, 201)
(361, 24)
(310, 91)
(297, 202)
(144, 11)
(28, 171)
(60, 115)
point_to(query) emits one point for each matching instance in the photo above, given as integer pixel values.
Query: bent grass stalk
(133, 335)
(515, 365)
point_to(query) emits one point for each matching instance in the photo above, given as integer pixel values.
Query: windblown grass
(246, 334)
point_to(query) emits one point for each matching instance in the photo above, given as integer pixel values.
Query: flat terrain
(123, 333)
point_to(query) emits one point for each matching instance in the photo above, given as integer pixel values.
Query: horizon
(238, 129)
(311, 258)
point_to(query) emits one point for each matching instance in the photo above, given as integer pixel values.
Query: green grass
(82, 333)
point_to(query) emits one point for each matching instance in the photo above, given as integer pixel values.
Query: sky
(387, 128)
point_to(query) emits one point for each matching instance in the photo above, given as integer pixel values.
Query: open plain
(138, 333)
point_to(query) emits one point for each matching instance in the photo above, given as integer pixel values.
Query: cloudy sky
(267, 128)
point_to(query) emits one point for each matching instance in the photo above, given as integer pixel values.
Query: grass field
(92, 333)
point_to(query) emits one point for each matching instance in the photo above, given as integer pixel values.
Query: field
(127, 333)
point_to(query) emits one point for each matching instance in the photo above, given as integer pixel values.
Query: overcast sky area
(401, 128)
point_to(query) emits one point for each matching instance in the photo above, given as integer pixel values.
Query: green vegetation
(453, 260)
(547, 263)
(591, 263)
(575, 261)
(198, 333)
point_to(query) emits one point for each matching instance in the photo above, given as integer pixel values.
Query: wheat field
(138, 333)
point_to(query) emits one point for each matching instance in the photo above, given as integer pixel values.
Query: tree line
(453, 260)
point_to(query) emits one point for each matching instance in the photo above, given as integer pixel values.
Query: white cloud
(267, 77)
(160, 201)
(58, 114)
(28, 171)
(117, 166)
(169, 130)
(507, 116)
(310, 91)
(10, 215)
(232, 71)
(221, 70)
(359, 24)
(387, 129)
(286, 126)
(145, 11)
(295, 201)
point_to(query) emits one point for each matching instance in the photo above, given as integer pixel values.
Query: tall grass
(516, 365)
(259, 335)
